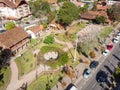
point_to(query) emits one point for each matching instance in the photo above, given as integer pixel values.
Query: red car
(109, 47)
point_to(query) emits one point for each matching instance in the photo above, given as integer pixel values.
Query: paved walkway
(16, 83)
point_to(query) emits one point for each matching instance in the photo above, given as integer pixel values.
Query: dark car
(101, 76)
(94, 64)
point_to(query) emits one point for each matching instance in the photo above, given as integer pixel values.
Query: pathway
(16, 83)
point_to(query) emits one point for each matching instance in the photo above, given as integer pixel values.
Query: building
(16, 40)
(35, 31)
(14, 9)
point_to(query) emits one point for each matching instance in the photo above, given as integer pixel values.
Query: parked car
(118, 34)
(101, 76)
(94, 64)
(71, 87)
(105, 53)
(115, 40)
(86, 73)
(109, 47)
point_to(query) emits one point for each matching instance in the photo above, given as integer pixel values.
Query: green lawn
(6, 79)
(40, 82)
(76, 28)
(106, 31)
(53, 63)
(34, 41)
(26, 63)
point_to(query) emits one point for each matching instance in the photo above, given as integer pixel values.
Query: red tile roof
(90, 15)
(11, 37)
(36, 29)
(11, 4)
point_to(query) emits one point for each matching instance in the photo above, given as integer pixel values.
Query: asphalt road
(108, 64)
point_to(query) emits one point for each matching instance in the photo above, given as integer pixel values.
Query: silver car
(87, 72)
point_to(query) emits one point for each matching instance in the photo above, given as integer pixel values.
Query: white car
(71, 87)
(87, 72)
(105, 53)
(115, 40)
(118, 34)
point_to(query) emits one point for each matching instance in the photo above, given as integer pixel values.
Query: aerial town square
(59, 44)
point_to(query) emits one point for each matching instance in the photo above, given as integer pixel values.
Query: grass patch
(106, 31)
(40, 83)
(70, 34)
(76, 27)
(64, 37)
(87, 46)
(33, 41)
(6, 78)
(54, 63)
(26, 63)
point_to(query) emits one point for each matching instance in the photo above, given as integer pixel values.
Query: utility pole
(76, 41)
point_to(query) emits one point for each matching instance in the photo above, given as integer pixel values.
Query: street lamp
(76, 41)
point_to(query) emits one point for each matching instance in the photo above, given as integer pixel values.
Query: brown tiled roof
(18, 2)
(51, 1)
(11, 37)
(36, 29)
(10, 3)
(100, 7)
(90, 15)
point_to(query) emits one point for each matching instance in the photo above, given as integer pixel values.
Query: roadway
(108, 64)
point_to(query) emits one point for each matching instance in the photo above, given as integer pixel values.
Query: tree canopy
(9, 25)
(114, 12)
(39, 8)
(49, 39)
(67, 13)
(100, 19)
(83, 9)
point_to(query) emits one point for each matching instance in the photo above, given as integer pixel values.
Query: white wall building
(14, 9)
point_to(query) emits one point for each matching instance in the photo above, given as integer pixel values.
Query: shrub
(102, 48)
(63, 58)
(92, 54)
(9, 25)
(49, 39)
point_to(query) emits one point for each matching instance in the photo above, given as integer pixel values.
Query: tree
(83, 9)
(51, 16)
(49, 39)
(100, 19)
(45, 7)
(114, 12)
(92, 54)
(9, 25)
(117, 74)
(39, 8)
(95, 6)
(67, 13)
(63, 58)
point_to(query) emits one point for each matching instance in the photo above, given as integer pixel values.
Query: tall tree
(67, 13)
(39, 8)
(114, 12)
